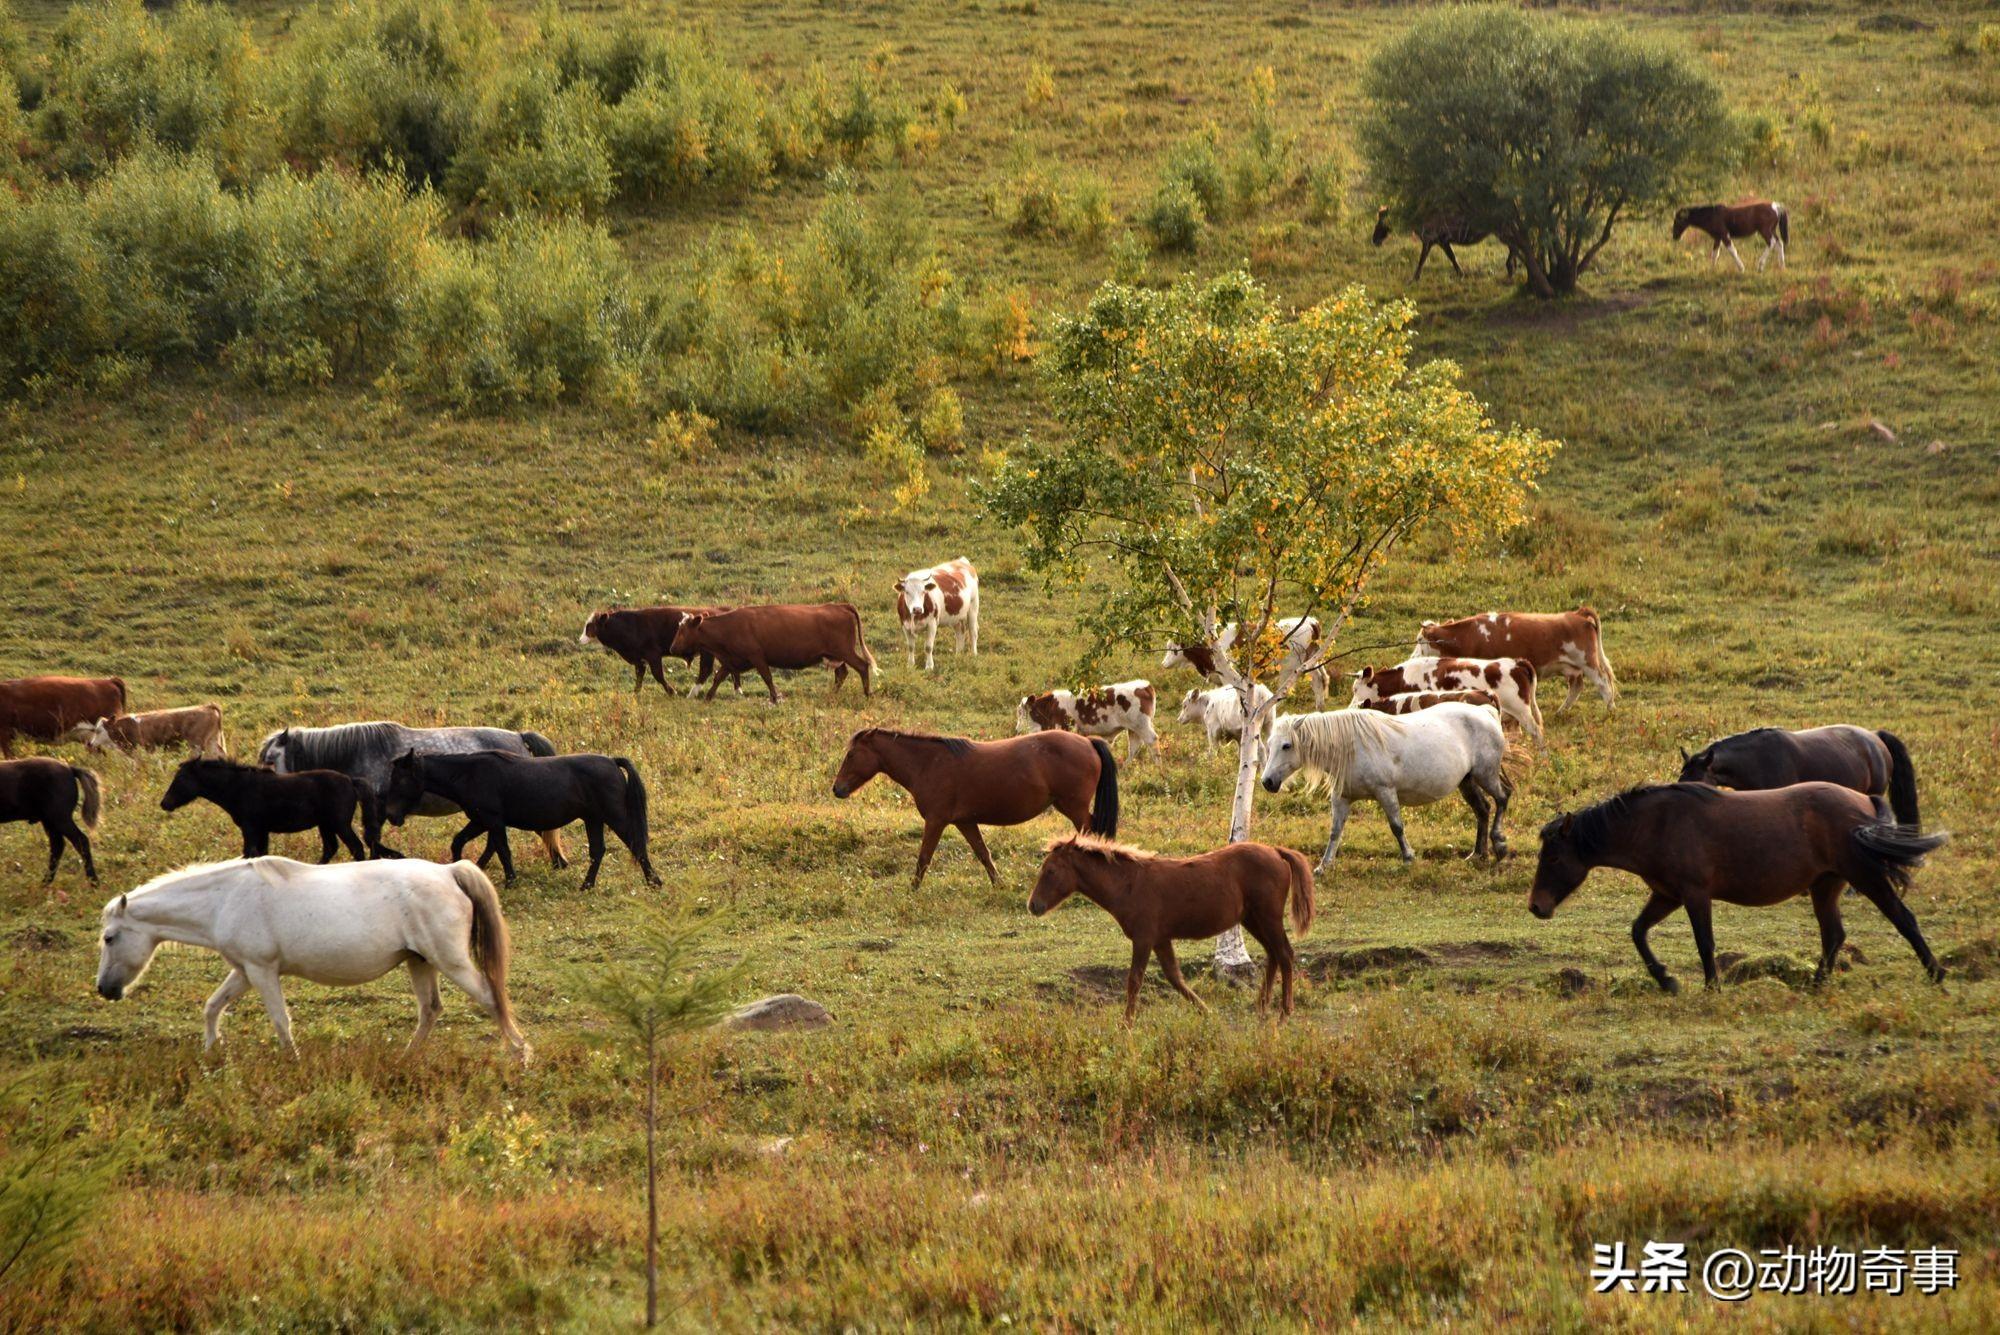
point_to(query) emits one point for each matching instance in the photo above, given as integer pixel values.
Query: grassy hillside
(1467, 1099)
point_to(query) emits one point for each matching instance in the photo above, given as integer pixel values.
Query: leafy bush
(1174, 216)
(537, 146)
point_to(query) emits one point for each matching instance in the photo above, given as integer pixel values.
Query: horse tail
(635, 798)
(1104, 807)
(93, 795)
(537, 744)
(370, 806)
(491, 946)
(1301, 889)
(1784, 223)
(1515, 760)
(1893, 850)
(1902, 780)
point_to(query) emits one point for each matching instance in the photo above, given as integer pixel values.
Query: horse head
(1283, 759)
(1699, 767)
(405, 791)
(859, 765)
(1381, 225)
(125, 950)
(1683, 220)
(1560, 870)
(185, 787)
(1057, 880)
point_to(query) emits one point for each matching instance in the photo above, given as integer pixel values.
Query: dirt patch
(1566, 315)
(1365, 959)
(1572, 981)
(1471, 952)
(1784, 968)
(1685, 1099)
(1893, 23)
(1974, 961)
(875, 943)
(38, 938)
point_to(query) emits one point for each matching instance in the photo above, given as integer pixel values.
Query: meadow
(1781, 490)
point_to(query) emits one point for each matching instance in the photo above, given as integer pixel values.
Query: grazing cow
(644, 637)
(1125, 706)
(1220, 712)
(198, 727)
(1411, 703)
(1725, 222)
(946, 595)
(789, 636)
(1442, 232)
(46, 708)
(1299, 636)
(1565, 642)
(1510, 680)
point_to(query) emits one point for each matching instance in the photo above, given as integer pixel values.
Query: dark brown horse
(1442, 232)
(1875, 763)
(1693, 845)
(1158, 901)
(968, 784)
(46, 792)
(1725, 222)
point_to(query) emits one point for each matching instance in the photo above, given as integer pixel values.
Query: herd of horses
(1723, 224)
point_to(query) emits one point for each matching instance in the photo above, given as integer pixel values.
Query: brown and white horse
(1725, 222)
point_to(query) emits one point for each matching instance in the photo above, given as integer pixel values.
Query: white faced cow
(947, 595)
(1125, 706)
(1300, 636)
(1511, 682)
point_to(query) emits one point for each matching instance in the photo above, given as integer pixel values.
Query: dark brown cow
(789, 636)
(1567, 642)
(644, 637)
(45, 708)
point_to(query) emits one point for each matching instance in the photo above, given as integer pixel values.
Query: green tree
(1543, 131)
(655, 992)
(1229, 462)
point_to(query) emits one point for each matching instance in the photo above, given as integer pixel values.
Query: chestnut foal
(1158, 901)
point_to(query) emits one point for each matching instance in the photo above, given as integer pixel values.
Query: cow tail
(93, 795)
(635, 800)
(861, 642)
(537, 744)
(1301, 889)
(119, 682)
(1902, 781)
(1892, 851)
(491, 946)
(1104, 808)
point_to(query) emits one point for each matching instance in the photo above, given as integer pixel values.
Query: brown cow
(1511, 682)
(198, 727)
(45, 708)
(644, 637)
(1125, 706)
(790, 636)
(1415, 700)
(1566, 642)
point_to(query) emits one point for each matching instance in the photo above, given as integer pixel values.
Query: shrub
(1326, 191)
(942, 424)
(55, 306)
(1174, 216)
(537, 145)
(173, 247)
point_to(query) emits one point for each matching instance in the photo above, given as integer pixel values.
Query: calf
(1511, 681)
(1220, 712)
(1410, 704)
(198, 727)
(789, 636)
(644, 637)
(1125, 706)
(1299, 637)
(1566, 642)
(945, 595)
(46, 708)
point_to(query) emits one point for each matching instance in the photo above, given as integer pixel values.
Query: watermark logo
(1731, 1274)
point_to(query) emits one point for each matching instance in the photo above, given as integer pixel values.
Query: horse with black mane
(1725, 222)
(264, 802)
(364, 752)
(1875, 763)
(499, 791)
(1442, 231)
(46, 792)
(1694, 845)
(967, 784)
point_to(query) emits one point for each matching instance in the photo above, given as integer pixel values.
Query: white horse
(338, 925)
(1397, 759)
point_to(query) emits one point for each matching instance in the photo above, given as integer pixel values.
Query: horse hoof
(1668, 985)
(1937, 973)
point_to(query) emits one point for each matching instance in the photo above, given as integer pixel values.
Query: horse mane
(225, 763)
(341, 745)
(955, 745)
(179, 874)
(1591, 828)
(1327, 740)
(1110, 850)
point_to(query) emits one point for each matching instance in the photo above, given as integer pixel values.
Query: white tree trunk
(1230, 953)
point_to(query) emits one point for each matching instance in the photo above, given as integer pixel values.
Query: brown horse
(1693, 845)
(47, 792)
(1725, 222)
(1158, 901)
(1442, 232)
(968, 784)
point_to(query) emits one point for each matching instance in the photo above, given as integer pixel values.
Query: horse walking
(263, 802)
(1397, 760)
(1443, 232)
(1875, 763)
(1694, 845)
(967, 784)
(1725, 222)
(47, 792)
(498, 790)
(1157, 901)
(272, 918)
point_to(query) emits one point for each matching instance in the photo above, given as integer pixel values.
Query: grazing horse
(271, 918)
(1442, 232)
(1875, 763)
(1725, 222)
(1693, 845)
(46, 792)
(263, 802)
(1158, 901)
(364, 752)
(498, 790)
(1396, 759)
(968, 784)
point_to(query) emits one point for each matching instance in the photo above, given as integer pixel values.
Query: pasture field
(1467, 1099)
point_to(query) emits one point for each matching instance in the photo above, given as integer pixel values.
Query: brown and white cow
(788, 636)
(644, 637)
(1565, 642)
(944, 595)
(1220, 712)
(1411, 703)
(1299, 635)
(46, 708)
(1125, 706)
(1511, 681)
(197, 727)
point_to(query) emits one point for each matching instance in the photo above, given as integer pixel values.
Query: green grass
(1452, 1118)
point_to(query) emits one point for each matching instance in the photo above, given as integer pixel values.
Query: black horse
(264, 802)
(1868, 762)
(498, 791)
(1442, 232)
(46, 791)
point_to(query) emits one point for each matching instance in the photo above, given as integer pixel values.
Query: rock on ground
(785, 1011)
